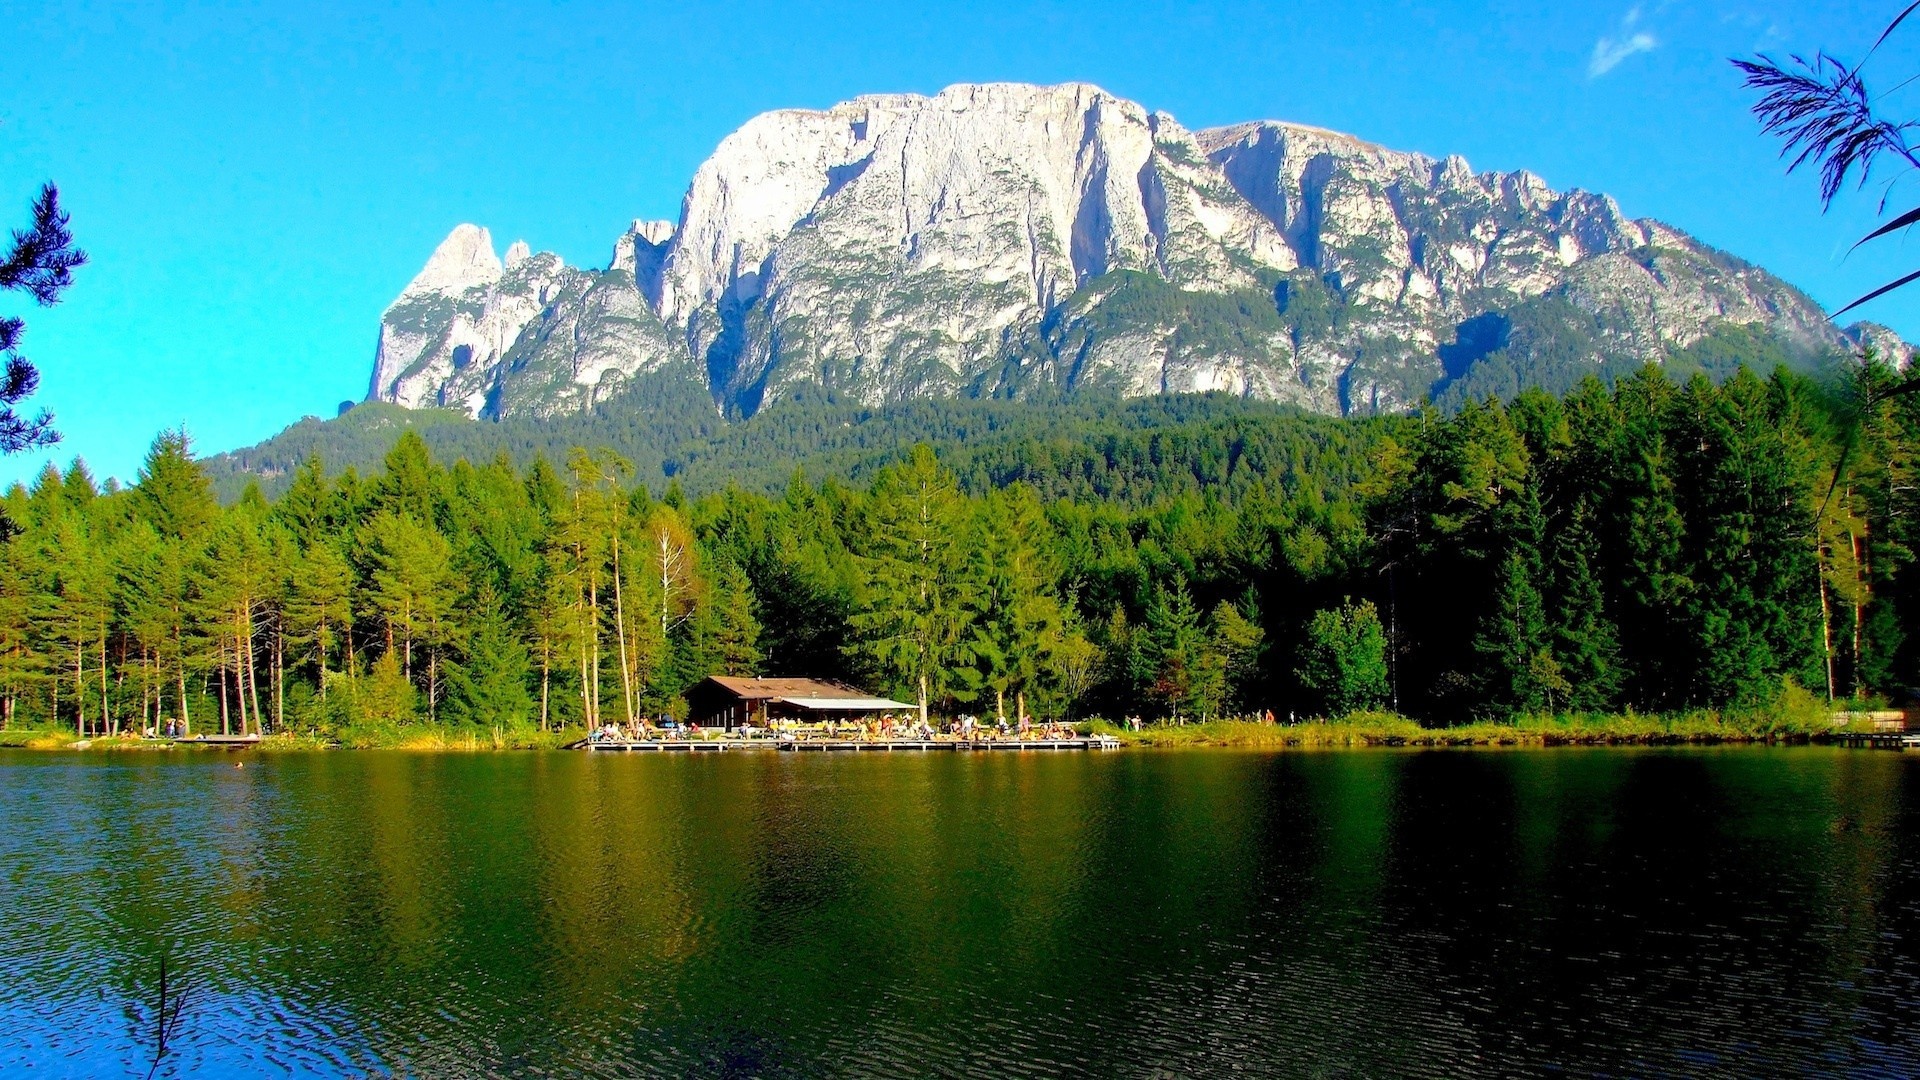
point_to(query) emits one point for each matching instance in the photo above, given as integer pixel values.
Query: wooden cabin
(723, 701)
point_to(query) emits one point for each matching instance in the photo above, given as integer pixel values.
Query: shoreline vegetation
(1799, 722)
(1723, 557)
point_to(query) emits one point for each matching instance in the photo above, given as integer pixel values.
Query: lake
(1134, 913)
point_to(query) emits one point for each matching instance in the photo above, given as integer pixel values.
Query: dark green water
(1737, 912)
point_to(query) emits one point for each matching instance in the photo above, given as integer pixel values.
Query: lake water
(1199, 913)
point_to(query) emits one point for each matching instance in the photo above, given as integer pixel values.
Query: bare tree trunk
(225, 727)
(186, 721)
(106, 708)
(620, 621)
(80, 691)
(253, 681)
(1859, 604)
(1826, 633)
(593, 602)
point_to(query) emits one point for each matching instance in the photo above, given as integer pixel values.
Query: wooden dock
(1876, 740)
(227, 741)
(704, 746)
(664, 746)
(1094, 742)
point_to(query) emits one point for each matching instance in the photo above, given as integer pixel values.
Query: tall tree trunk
(1826, 633)
(923, 698)
(186, 721)
(239, 680)
(80, 690)
(225, 725)
(1859, 604)
(620, 621)
(106, 708)
(593, 601)
(253, 680)
(586, 681)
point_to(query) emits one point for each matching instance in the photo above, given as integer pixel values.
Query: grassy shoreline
(1386, 729)
(1765, 726)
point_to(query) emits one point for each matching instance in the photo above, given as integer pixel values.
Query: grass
(1796, 716)
(356, 737)
(1578, 729)
(36, 738)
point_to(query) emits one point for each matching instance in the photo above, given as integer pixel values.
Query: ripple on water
(1129, 915)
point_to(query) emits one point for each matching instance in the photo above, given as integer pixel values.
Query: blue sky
(256, 182)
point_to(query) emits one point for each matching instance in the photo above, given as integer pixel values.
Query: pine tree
(728, 634)
(319, 607)
(913, 621)
(1513, 643)
(487, 685)
(40, 263)
(1239, 640)
(411, 591)
(1184, 670)
(234, 581)
(1016, 617)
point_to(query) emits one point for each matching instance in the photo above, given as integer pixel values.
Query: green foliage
(488, 682)
(1345, 659)
(1649, 546)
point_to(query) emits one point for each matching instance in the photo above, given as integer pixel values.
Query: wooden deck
(704, 746)
(1877, 740)
(218, 740)
(687, 746)
(1096, 742)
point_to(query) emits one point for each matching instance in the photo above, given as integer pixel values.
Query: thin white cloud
(1625, 41)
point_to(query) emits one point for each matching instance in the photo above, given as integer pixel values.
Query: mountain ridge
(996, 238)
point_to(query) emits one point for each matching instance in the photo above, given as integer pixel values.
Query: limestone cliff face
(995, 237)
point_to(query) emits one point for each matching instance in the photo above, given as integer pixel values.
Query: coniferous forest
(1655, 546)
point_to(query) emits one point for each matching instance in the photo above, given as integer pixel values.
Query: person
(1269, 717)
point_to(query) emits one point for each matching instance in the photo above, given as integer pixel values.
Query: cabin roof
(766, 689)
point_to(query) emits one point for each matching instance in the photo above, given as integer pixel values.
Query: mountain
(1001, 239)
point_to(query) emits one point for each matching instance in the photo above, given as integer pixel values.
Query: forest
(1653, 546)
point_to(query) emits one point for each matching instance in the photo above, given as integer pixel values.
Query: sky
(256, 182)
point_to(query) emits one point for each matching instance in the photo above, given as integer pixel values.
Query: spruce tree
(913, 621)
(487, 684)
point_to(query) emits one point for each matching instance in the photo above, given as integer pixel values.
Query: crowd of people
(885, 727)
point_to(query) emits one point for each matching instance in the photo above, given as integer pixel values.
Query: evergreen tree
(1513, 644)
(913, 622)
(41, 264)
(487, 685)
(1185, 672)
(411, 590)
(319, 608)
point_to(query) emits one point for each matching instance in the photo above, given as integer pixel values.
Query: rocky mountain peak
(464, 259)
(997, 236)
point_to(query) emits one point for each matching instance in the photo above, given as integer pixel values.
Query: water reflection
(1361, 913)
